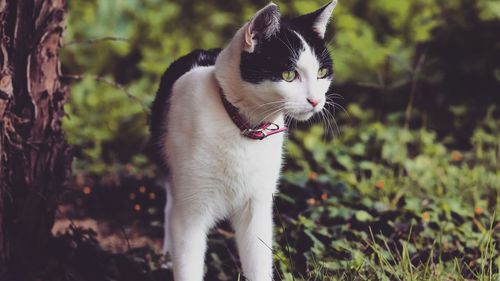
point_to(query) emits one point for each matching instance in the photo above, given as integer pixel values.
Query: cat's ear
(317, 20)
(263, 25)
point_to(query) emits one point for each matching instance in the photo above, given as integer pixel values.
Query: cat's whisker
(271, 114)
(337, 105)
(334, 122)
(323, 125)
(329, 130)
(325, 53)
(335, 95)
(324, 113)
(288, 121)
(328, 115)
(333, 109)
(266, 104)
(287, 46)
(272, 108)
(293, 51)
(201, 156)
(342, 108)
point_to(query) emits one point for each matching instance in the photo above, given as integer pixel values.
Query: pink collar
(260, 132)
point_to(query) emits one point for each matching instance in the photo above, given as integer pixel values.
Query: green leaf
(363, 216)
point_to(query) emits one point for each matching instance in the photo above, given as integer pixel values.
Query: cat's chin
(301, 116)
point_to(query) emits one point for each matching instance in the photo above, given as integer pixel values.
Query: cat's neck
(227, 73)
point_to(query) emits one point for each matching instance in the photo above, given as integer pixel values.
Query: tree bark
(34, 155)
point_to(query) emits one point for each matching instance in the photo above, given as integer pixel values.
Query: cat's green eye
(322, 72)
(288, 76)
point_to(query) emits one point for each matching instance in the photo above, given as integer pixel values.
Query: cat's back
(161, 104)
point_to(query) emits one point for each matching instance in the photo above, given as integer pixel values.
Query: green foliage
(107, 126)
(384, 201)
(373, 43)
(380, 31)
(96, 120)
(407, 191)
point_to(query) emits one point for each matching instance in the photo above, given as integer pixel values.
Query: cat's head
(280, 65)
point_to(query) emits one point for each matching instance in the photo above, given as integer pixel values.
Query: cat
(217, 125)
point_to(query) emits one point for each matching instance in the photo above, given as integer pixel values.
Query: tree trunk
(34, 155)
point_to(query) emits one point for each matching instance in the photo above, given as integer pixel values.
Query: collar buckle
(263, 131)
(259, 132)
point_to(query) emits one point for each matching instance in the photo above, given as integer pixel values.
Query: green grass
(385, 263)
(382, 202)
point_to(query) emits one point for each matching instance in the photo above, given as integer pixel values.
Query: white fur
(216, 173)
(297, 92)
(323, 19)
(271, 22)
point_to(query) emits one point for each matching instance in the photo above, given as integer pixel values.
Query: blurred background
(404, 183)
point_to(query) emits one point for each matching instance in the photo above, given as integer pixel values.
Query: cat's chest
(249, 166)
(252, 156)
(246, 166)
(205, 143)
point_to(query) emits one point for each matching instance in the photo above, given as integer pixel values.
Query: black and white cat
(217, 124)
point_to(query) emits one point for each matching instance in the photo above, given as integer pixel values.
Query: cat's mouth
(301, 116)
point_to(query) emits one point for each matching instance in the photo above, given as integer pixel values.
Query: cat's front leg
(189, 242)
(253, 224)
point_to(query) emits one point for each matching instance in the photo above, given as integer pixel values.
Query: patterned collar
(260, 132)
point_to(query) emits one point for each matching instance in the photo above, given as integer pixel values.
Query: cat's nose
(312, 101)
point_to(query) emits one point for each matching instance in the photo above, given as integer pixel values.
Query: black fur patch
(270, 58)
(160, 107)
(303, 27)
(279, 52)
